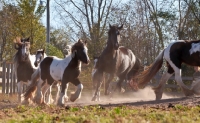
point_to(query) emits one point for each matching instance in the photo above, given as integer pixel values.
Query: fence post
(12, 79)
(4, 77)
(8, 78)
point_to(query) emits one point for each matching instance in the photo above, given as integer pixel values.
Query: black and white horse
(175, 54)
(24, 64)
(65, 70)
(39, 56)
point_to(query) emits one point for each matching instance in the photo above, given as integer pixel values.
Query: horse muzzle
(36, 64)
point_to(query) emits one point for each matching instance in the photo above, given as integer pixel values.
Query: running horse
(114, 60)
(64, 70)
(175, 54)
(39, 56)
(23, 63)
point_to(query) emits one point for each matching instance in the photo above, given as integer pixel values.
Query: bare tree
(89, 17)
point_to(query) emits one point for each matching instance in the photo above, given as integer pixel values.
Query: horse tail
(150, 71)
(32, 87)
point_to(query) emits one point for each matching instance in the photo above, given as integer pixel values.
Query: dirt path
(145, 97)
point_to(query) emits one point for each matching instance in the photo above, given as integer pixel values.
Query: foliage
(60, 39)
(23, 21)
(53, 51)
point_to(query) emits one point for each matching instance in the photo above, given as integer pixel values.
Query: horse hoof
(61, 104)
(25, 102)
(122, 90)
(72, 98)
(94, 99)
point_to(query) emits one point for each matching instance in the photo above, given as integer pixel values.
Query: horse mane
(77, 44)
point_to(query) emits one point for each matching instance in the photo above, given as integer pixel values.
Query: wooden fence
(8, 80)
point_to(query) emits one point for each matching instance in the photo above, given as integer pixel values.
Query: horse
(176, 53)
(114, 60)
(64, 70)
(23, 63)
(39, 56)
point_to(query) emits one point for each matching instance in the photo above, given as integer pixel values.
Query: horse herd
(40, 71)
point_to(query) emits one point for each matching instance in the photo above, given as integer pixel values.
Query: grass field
(101, 114)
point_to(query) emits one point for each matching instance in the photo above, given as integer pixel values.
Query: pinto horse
(114, 60)
(64, 70)
(24, 63)
(39, 56)
(175, 54)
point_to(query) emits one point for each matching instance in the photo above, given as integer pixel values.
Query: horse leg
(160, 88)
(107, 84)
(19, 87)
(78, 91)
(39, 95)
(46, 91)
(184, 88)
(97, 79)
(119, 85)
(61, 100)
(66, 97)
(58, 92)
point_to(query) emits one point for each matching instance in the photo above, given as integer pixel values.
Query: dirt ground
(144, 97)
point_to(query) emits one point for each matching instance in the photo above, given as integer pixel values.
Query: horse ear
(43, 50)
(73, 53)
(110, 25)
(79, 40)
(28, 39)
(85, 42)
(16, 46)
(120, 27)
(17, 40)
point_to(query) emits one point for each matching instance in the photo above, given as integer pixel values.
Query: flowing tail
(151, 71)
(32, 87)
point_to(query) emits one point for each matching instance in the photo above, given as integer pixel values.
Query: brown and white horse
(115, 60)
(64, 70)
(175, 54)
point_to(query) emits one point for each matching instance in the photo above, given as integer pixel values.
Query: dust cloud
(146, 94)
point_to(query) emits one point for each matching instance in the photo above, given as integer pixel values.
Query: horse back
(185, 51)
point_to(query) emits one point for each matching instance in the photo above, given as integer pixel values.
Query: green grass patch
(100, 114)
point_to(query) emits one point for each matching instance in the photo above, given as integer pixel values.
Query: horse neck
(45, 55)
(109, 51)
(32, 60)
(73, 60)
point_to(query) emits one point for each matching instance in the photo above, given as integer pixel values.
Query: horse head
(114, 36)
(23, 46)
(80, 50)
(67, 50)
(40, 54)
